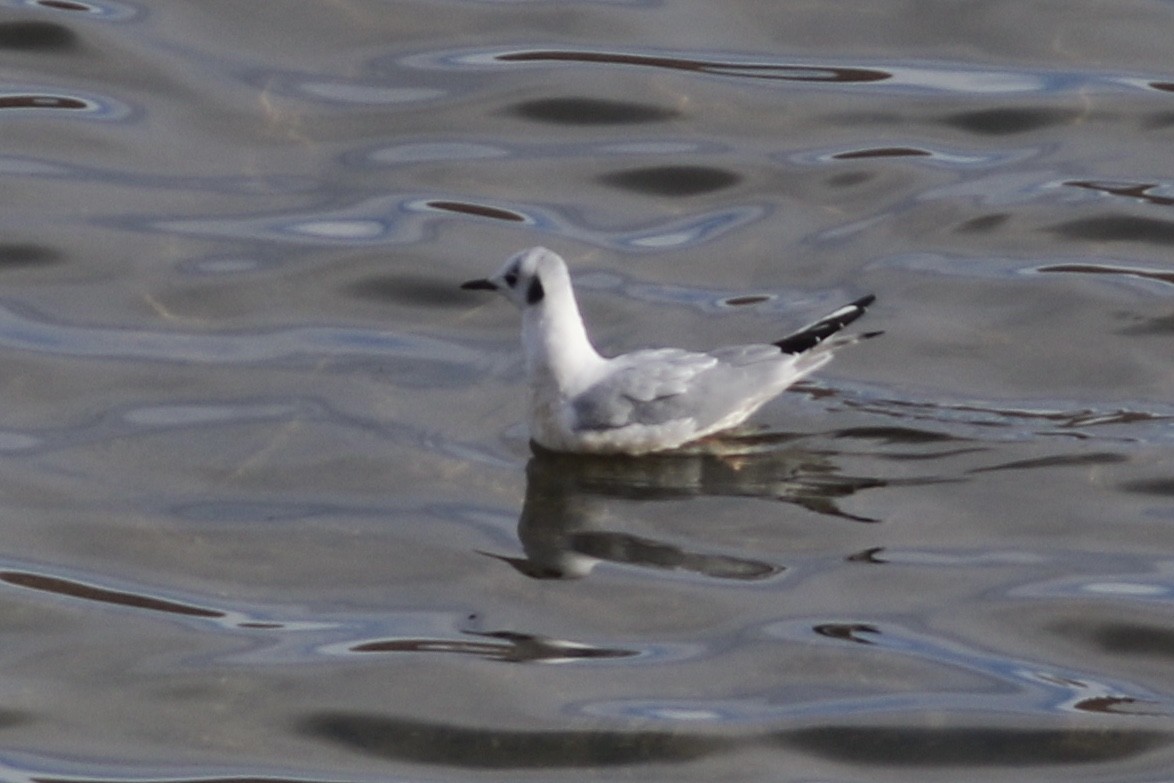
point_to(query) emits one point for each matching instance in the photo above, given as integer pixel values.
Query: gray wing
(656, 387)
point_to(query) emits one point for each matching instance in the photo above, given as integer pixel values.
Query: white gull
(648, 400)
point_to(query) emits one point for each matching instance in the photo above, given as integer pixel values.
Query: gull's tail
(815, 334)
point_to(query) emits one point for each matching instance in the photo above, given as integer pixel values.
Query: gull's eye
(511, 279)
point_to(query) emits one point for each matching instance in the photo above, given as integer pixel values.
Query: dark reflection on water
(43, 102)
(848, 632)
(422, 742)
(27, 102)
(511, 647)
(1118, 638)
(1006, 121)
(1163, 487)
(745, 301)
(1113, 705)
(1059, 460)
(1139, 191)
(14, 256)
(409, 290)
(672, 180)
(14, 718)
(983, 224)
(107, 9)
(737, 464)
(1118, 228)
(1163, 325)
(874, 555)
(798, 73)
(883, 152)
(978, 746)
(899, 435)
(589, 111)
(68, 587)
(64, 5)
(479, 210)
(565, 495)
(1106, 269)
(36, 36)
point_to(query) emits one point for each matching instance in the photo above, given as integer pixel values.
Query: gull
(649, 400)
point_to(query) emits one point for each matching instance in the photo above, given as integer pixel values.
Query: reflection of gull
(649, 400)
(560, 520)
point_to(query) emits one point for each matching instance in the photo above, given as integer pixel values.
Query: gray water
(267, 504)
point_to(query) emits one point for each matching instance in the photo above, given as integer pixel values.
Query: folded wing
(654, 388)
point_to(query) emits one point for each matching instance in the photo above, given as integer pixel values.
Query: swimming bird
(648, 400)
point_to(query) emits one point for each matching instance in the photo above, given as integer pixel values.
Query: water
(268, 508)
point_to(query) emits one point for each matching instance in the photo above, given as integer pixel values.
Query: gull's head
(525, 278)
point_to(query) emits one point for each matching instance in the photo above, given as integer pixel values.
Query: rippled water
(268, 509)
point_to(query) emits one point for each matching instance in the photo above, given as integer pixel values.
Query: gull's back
(668, 397)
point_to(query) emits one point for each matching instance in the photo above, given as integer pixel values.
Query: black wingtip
(813, 334)
(864, 301)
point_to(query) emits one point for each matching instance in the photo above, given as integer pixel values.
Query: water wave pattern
(1147, 279)
(103, 10)
(283, 635)
(23, 330)
(147, 420)
(919, 77)
(291, 634)
(412, 152)
(46, 168)
(321, 552)
(35, 101)
(1010, 686)
(410, 218)
(1140, 421)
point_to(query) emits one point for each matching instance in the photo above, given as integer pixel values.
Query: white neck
(558, 350)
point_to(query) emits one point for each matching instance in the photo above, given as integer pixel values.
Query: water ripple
(1102, 228)
(343, 92)
(105, 10)
(407, 218)
(501, 748)
(940, 77)
(1027, 419)
(88, 592)
(507, 646)
(1137, 191)
(232, 183)
(16, 102)
(750, 70)
(924, 154)
(422, 151)
(589, 111)
(25, 331)
(1036, 685)
(1137, 588)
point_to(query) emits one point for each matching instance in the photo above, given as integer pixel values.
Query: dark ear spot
(536, 292)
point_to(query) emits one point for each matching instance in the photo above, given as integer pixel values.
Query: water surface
(268, 505)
